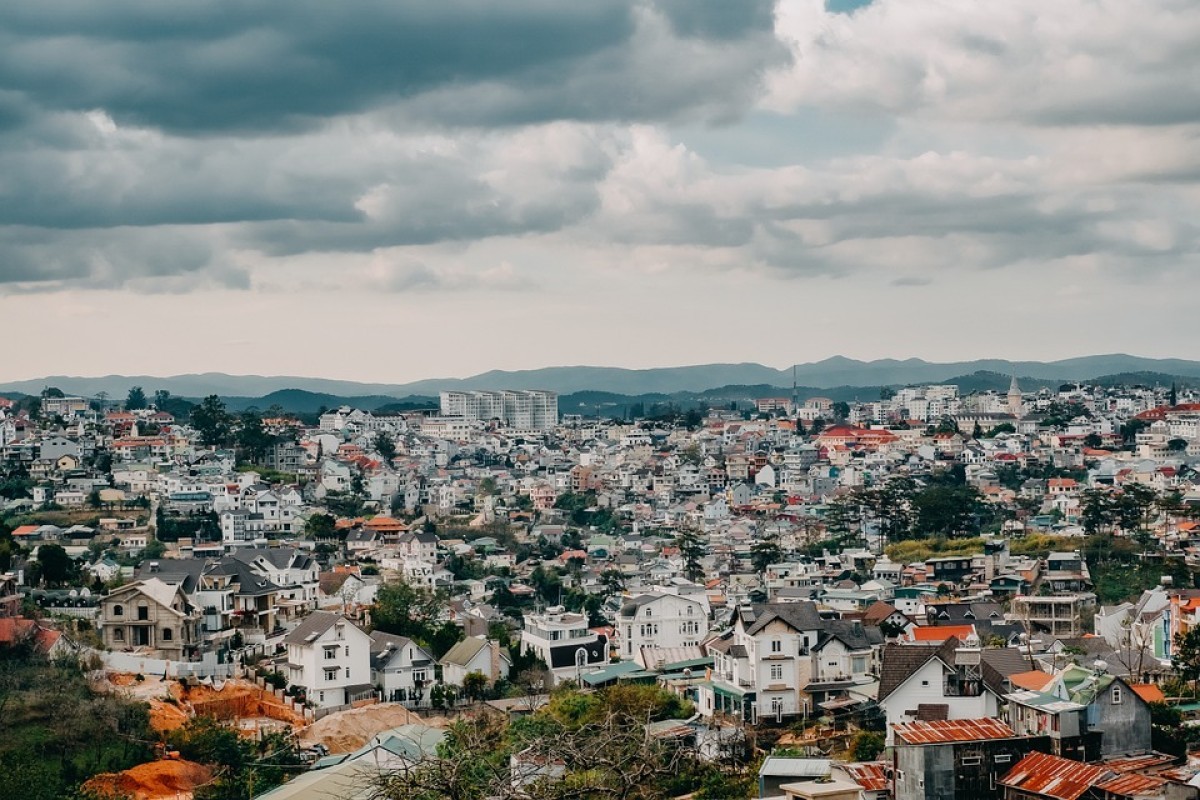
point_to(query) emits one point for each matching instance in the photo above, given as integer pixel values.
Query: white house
(331, 658)
(475, 654)
(659, 621)
(564, 642)
(947, 678)
(401, 668)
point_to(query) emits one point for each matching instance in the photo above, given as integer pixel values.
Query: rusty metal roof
(1132, 785)
(1138, 763)
(1054, 777)
(952, 730)
(870, 775)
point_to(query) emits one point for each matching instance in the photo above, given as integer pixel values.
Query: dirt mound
(349, 730)
(157, 780)
(166, 716)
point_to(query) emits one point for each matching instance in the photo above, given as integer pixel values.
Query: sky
(388, 191)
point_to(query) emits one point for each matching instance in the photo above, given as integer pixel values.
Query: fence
(132, 662)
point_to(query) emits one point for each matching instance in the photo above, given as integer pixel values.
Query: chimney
(497, 665)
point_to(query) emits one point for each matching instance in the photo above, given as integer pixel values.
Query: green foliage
(136, 399)
(1167, 734)
(57, 733)
(212, 422)
(867, 745)
(385, 446)
(415, 611)
(56, 567)
(245, 768)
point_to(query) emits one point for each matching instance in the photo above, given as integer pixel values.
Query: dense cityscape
(922, 595)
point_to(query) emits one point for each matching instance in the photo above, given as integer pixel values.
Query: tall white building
(529, 409)
(331, 658)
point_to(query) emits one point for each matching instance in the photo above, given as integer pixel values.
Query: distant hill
(829, 376)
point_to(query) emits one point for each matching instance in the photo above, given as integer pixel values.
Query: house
(762, 665)
(655, 620)
(1088, 714)
(935, 681)
(330, 658)
(475, 654)
(10, 596)
(152, 615)
(401, 669)
(949, 759)
(564, 641)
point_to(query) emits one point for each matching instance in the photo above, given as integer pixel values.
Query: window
(118, 634)
(347, 649)
(330, 653)
(331, 674)
(1003, 758)
(143, 612)
(118, 611)
(972, 761)
(689, 611)
(168, 634)
(776, 672)
(776, 646)
(1116, 695)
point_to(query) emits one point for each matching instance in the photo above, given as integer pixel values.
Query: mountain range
(830, 373)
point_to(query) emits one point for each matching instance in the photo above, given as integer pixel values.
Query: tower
(1014, 397)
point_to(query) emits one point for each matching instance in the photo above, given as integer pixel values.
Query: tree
(692, 550)
(1177, 445)
(867, 745)
(136, 399)
(385, 446)
(766, 550)
(841, 410)
(321, 525)
(947, 510)
(475, 685)
(1186, 659)
(212, 421)
(252, 439)
(56, 566)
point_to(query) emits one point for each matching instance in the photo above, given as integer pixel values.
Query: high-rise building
(529, 409)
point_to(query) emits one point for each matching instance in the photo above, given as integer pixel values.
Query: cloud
(1072, 62)
(255, 66)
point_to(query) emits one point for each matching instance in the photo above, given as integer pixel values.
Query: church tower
(1015, 401)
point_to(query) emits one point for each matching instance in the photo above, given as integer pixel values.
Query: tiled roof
(952, 730)
(899, 662)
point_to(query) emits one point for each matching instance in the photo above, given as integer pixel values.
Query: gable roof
(952, 730)
(801, 616)
(312, 626)
(899, 662)
(462, 653)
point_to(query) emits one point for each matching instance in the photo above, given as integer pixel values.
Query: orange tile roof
(1148, 692)
(25, 530)
(1035, 680)
(940, 633)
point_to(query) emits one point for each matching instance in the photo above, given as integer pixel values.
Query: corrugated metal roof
(1132, 785)
(952, 730)
(1136, 763)
(777, 767)
(870, 775)
(1051, 776)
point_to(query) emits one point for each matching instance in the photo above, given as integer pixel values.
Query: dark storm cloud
(213, 66)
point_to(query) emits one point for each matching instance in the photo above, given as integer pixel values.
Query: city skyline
(390, 193)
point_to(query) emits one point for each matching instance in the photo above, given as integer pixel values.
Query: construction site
(251, 708)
